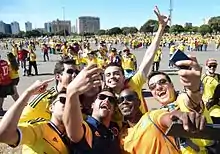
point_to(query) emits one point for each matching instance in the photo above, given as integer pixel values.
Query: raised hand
(39, 86)
(190, 78)
(88, 78)
(162, 19)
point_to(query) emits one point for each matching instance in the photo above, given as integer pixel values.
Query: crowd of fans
(97, 106)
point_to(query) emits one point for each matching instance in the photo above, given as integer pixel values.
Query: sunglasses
(127, 98)
(111, 99)
(214, 66)
(159, 82)
(72, 71)
(62, 100)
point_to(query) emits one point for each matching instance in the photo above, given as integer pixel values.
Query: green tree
(167, 29)
(195, 29)
(149, 26)
(129, 30)
(205, 29)
(114, 31)
(214, 23)
(188, 29)
(101, 32)
(176, 29)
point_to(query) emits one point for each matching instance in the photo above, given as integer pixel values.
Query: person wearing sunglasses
(65, 70)
(144, 133)
(96, 134)
(114, 73)
(211, 80)
(162, 89)
(37, 135)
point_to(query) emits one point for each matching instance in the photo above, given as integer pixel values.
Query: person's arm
(190, 79)
(147, 61)
(9, 122)
(72, 118)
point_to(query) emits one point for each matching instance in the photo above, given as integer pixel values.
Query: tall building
(28, 26)
(2, 27)
(73, 29)
(8, 29)
(88, 24)
(15, 28)
(60, 25)
(188, 24)
(47, 27)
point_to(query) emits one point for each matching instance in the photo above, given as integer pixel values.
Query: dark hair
(13, 61)
(59, 66)
(152, 74)
(117, 65)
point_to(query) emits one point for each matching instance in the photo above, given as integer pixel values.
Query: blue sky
(111, 12)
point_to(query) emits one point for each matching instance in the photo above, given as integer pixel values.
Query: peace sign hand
(162, 19)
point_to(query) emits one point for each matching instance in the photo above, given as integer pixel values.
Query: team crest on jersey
(97, 134)
(115, 131)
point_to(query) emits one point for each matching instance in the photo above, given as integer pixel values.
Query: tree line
(151, 26)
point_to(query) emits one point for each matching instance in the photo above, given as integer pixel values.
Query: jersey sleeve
(138, 80)
(29, 133)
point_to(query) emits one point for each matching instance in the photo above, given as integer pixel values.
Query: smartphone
(210, 132)
(178, 56)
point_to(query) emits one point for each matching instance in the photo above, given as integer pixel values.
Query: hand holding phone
(178, 56)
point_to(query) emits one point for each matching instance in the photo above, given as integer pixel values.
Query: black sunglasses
(214, 66)
(127, 98)
(72, 71)
(111, 99)
(62, 100)
(159, 82)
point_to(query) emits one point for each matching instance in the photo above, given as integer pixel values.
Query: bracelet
(196, 107)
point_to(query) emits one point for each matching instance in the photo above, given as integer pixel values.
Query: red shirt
(4, 73)
(22, 54)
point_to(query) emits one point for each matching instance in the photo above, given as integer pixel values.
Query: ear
(57, 77)
(92, 105)
(51, 108)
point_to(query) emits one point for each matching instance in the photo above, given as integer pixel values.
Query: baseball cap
(211, 61)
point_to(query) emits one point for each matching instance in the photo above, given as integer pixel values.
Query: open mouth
(113, 81)
(104, 106)
(162, 93)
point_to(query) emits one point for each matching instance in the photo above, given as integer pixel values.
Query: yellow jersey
(146, 138)
(129, 61)
(41, 137)
(209, 84)
(201, 143)
(33, 56)
(158, 55)
(13, 73)
(38, 107)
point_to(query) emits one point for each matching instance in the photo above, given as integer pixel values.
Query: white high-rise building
(15, 28)
(2, 27)
(28, 26)
(48, 27)
(88, 24)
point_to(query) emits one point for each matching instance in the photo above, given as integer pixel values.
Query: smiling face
(114, 77)
(128, 103)
(103, 107)
(211, 68)
(161, 89)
